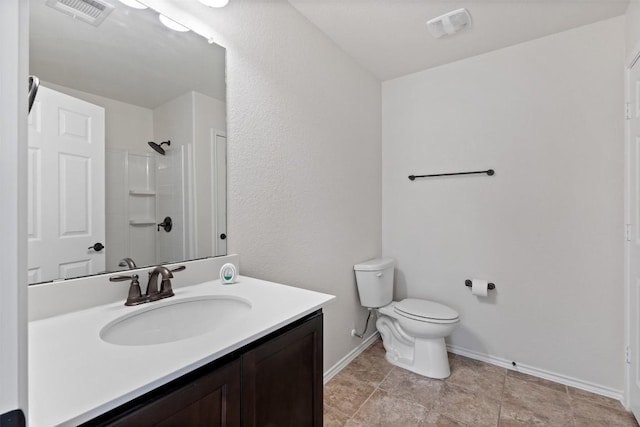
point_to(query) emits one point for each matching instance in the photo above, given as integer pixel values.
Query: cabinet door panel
(212, 400)
(207, 411)
(282, 379)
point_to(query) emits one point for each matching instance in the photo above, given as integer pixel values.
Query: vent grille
(449, 23)
(88, 7)
(93, 12)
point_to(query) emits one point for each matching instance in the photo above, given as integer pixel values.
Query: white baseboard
(541, 373)
(342, 363)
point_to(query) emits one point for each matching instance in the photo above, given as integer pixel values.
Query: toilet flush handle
(378, 274)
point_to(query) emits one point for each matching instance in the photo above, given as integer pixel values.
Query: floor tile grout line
(470, 389)
(385, 377)
(376, 388)
(573, 413)
(364, 403)
(504, 385)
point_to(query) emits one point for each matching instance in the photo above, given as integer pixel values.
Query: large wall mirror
(127, 141)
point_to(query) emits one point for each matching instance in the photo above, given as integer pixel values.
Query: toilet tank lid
(374, 264)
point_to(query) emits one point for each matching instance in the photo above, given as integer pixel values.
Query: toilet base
(429, 360)
(424, 356)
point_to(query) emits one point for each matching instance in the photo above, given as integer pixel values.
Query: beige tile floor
(372, 392)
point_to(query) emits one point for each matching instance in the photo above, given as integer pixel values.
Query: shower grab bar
(489, 172)
(34, 84)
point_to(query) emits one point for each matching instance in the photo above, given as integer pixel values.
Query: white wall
(547, 115)
(303, 154)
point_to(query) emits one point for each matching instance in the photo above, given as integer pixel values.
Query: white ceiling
(390, 39)
(130, 57)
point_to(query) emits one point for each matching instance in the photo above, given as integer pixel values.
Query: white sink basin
(175, 321)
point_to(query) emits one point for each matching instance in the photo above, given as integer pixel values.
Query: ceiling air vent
(449, 23)
(90, 11)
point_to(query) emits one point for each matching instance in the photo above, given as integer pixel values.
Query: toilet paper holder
(468, 283)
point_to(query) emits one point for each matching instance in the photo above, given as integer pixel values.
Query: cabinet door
(282, 379)
(211, 400)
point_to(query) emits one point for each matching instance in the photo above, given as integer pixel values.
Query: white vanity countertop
(74, 376)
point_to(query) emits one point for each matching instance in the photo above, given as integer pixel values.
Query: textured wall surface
(304, 147)
(547, 115)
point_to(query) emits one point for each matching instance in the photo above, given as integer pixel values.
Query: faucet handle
(166, 290)
(123, 278)
(135, 296)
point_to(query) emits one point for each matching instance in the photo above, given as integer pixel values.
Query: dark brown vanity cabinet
(212, 399)
(273, 382)
(282, 379)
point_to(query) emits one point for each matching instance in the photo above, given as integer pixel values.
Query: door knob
(166, 224)
(97, 247)
(223, 236)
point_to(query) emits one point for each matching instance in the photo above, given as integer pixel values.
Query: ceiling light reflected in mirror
(133, 3)
(170, 23)
(214, 3)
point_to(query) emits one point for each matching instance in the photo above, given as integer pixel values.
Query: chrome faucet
(127, 262)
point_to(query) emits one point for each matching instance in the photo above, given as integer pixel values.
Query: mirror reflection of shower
(158, 147)
(181, 109)
(145, 188)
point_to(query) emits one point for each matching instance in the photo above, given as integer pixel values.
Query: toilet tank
(375, 282)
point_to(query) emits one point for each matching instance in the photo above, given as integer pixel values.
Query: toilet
(412, 330)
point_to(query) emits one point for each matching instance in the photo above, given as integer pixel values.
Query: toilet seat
(425, 311)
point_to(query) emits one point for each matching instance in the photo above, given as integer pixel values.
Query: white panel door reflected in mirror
(150, 84)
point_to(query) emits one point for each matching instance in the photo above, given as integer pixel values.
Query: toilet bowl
(413, 330)
(414, 341)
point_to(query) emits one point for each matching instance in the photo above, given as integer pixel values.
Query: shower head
(159, 148)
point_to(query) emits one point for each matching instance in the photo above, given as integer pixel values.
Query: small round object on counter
(228, 274)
